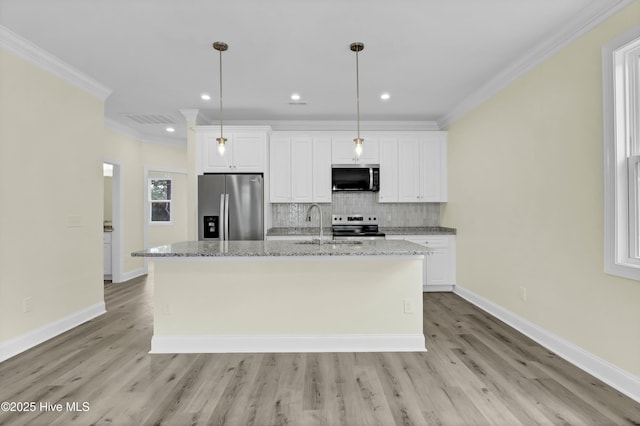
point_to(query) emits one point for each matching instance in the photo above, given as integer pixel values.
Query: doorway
(112, 221)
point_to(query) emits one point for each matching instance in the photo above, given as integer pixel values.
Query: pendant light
(221, 47)
(357, 47)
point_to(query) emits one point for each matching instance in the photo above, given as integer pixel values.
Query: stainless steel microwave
(355, 177)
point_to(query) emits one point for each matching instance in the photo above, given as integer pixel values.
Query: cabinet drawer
(430, 240)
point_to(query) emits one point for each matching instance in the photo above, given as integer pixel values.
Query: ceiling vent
(301, 103)
(151, 118)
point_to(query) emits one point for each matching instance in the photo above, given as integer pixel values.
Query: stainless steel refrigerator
(231, 207)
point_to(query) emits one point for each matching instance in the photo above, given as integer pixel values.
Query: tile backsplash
(389, 214)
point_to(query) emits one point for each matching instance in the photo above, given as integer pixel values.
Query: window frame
(151, 201)
(621, 143)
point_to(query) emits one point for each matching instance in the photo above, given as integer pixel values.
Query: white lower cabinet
(440, 266)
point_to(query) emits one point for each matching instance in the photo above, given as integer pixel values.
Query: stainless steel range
(355, 227)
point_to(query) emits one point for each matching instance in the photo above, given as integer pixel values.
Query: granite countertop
(284, 248)
(390, 230)
(298, 230)
(417, 230)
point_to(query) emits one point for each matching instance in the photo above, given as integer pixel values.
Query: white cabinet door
(322, 170)
(433, 177)
(422, 169)
(212, 161)
(301, 169)
(438, 261)
(343, 150)
(439, 273)
(248, 152)
(409, 170)
(388, 170)
(244, 153)
(280, 170)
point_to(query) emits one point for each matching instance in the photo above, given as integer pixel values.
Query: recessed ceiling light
(205, 97)
(385, 96)
(170, 129)
(295, 97)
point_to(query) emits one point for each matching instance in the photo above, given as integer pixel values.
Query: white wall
(51, 190)
(526, 196)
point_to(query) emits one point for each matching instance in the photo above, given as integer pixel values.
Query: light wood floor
(478, 371)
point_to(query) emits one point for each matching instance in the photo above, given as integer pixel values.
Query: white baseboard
(615, 377)
(288, 343)
(33, 338)
(438, 288)
(129, 275)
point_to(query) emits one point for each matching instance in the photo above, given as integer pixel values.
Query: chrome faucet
(309, 217)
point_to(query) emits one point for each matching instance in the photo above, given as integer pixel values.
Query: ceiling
(432, 56)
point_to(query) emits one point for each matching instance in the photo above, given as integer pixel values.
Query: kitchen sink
(329, 242)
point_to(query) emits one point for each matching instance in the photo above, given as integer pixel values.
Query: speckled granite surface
(417, 230)
(391, 230)
(283, 248)
(293, 231)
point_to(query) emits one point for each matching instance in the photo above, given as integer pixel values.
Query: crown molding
(134, 134)
(333, 125)
(191, 115)
(589, 18)
(37, 56)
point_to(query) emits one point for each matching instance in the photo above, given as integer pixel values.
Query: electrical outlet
(523, 294)
(27, 305)
(408, 306)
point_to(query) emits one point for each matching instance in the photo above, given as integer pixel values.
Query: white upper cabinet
(413, 165)
(322, 169)
(343, 150)
(280, 170)
(388, 170)
(300, 169)
(244, 150)
(422, 168)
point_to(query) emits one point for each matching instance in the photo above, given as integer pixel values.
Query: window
(160, 200)
(621, 96)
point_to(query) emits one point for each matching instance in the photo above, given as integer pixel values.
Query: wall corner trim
(612, 375)
(33, 338)
(30, 52)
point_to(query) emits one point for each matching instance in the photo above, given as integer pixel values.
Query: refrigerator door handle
(226, 217)
(222, 220)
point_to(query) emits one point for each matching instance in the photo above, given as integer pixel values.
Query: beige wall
(134, 155)
(526, 195)
(51, 137)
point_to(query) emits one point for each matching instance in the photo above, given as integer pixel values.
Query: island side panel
(295, 304)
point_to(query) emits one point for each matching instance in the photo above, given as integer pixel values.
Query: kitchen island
(287, 296)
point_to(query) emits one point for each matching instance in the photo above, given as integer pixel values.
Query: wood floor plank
(478, 371)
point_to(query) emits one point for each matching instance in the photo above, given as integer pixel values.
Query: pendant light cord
(358, 94)
(221, 94)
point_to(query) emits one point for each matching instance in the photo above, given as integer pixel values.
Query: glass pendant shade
(358, 149)
(221, 145)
